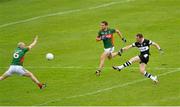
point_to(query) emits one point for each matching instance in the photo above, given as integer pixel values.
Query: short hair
(20, 43)
(105, 22)
(139, 35)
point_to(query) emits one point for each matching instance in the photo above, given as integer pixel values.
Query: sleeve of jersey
(150, 42)
(113, 30)
(99, 34)
(26, 50)
(134, 45)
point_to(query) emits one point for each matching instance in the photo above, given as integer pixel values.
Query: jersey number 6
(16, 55)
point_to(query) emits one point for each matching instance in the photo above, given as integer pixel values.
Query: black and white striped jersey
(144, 46)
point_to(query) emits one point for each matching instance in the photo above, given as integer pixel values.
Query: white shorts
(109, 50)
(15, 69)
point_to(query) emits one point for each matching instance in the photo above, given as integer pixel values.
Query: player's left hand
(124, 40)
(161, 51)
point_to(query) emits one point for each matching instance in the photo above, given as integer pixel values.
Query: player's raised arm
(120, 35)
(33, 43)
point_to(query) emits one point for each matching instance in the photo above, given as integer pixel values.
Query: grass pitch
(67, 28)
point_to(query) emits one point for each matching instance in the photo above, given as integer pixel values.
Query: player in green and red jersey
(106, 35)
(17, 63)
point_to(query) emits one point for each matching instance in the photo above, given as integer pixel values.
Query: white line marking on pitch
(110, 88)
(62, 13)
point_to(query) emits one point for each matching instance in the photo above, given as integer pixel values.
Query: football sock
(148, 75)
(128, 63)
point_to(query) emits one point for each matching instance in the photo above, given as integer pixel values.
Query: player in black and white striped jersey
(143, 58)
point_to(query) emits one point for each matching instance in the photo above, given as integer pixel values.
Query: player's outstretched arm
(120, 35)
(124, 49)
(127, 47)
(157, 46)
(33, 43)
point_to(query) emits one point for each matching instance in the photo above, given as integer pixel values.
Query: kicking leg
(128, 63)
(146, 74)
(34, 79)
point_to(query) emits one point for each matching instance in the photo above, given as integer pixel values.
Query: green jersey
(108, 35)
(18, 56)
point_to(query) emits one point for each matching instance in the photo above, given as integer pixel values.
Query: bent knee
(142, 71)
(2, 78)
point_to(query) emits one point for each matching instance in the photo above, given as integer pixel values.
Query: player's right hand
(98, 39)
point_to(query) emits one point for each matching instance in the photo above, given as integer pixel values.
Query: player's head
(21, 45)
(104, 25)
(139, 37)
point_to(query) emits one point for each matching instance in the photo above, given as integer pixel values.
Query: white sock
(152, 77)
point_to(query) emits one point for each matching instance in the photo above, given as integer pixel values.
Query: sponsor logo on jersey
(142, 49)
(107, 36)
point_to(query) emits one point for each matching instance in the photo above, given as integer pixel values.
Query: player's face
(22, 46)
(138, 39)
(103, 26)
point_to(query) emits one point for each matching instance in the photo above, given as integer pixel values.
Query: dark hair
(105, 22)
(139, 35)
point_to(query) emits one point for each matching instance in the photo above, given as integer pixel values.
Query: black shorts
(144, 58)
